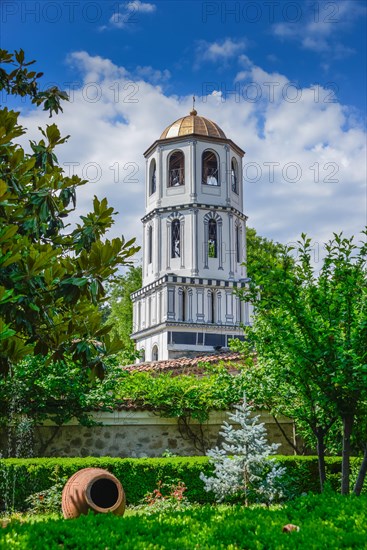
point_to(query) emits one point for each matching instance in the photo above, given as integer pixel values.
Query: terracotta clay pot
(92, 489)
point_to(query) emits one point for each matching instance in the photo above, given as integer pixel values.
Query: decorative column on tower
(194, 243)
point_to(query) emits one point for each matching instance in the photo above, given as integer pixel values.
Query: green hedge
(19, 478)
(327, 521)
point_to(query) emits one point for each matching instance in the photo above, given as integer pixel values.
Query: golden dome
(193, 124)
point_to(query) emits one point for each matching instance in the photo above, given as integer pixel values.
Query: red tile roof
(188, 365)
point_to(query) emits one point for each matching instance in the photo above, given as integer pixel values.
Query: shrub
(184, 395)
(20, 478)
(47, 501)
(166, 497)
(326, 521)
(242, 468)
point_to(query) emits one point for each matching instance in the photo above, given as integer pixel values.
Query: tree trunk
(44, 444)
(361, 474)
(347, 431)
(321, 458)
(288, 439)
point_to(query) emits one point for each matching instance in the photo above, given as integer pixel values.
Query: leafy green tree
(121, 310)
(40, 390)
(262, 253)
(310, 335)
(52, 280)
(360, 440)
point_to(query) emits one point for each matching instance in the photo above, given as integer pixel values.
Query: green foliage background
(182, 395)
(120, 315)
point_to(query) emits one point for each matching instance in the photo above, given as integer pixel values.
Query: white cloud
(128, 15)
(118, 20)
(218, 51)
(320, 32)
(143, 7)
(155, 76)
(285, 30)
(113, 118)
(96, 68)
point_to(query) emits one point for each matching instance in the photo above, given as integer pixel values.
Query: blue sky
(310, 42)
(285, 80)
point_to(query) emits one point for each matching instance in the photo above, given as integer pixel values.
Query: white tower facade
(194, 243)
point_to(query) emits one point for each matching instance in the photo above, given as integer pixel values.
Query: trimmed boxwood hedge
(19, 478)
(327, 521)
(137, 475)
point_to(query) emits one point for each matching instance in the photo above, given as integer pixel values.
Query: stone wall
(143, 434)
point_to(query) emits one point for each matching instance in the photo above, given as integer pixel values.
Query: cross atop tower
(194, 111)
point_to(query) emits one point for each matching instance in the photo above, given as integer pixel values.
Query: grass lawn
(328, 521)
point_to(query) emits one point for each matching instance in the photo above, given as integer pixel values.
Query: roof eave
(178, 139)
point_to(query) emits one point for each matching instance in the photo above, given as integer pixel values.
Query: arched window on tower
(153, 177)
(138, 327)
(149, 311)
(211, 306)
(234, 175)
(155, 353)
(210, 168)
(238, 244)
(212, 239)
(176, 169)
(175, 239)
(150, 244)
(182, 304)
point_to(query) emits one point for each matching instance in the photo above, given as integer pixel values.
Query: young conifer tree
(241, 467)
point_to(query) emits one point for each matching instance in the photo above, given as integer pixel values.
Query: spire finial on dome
(194, 111)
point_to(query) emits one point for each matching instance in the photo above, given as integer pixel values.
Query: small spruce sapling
(241, 466)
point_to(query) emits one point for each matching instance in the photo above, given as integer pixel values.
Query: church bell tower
(194, 243)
